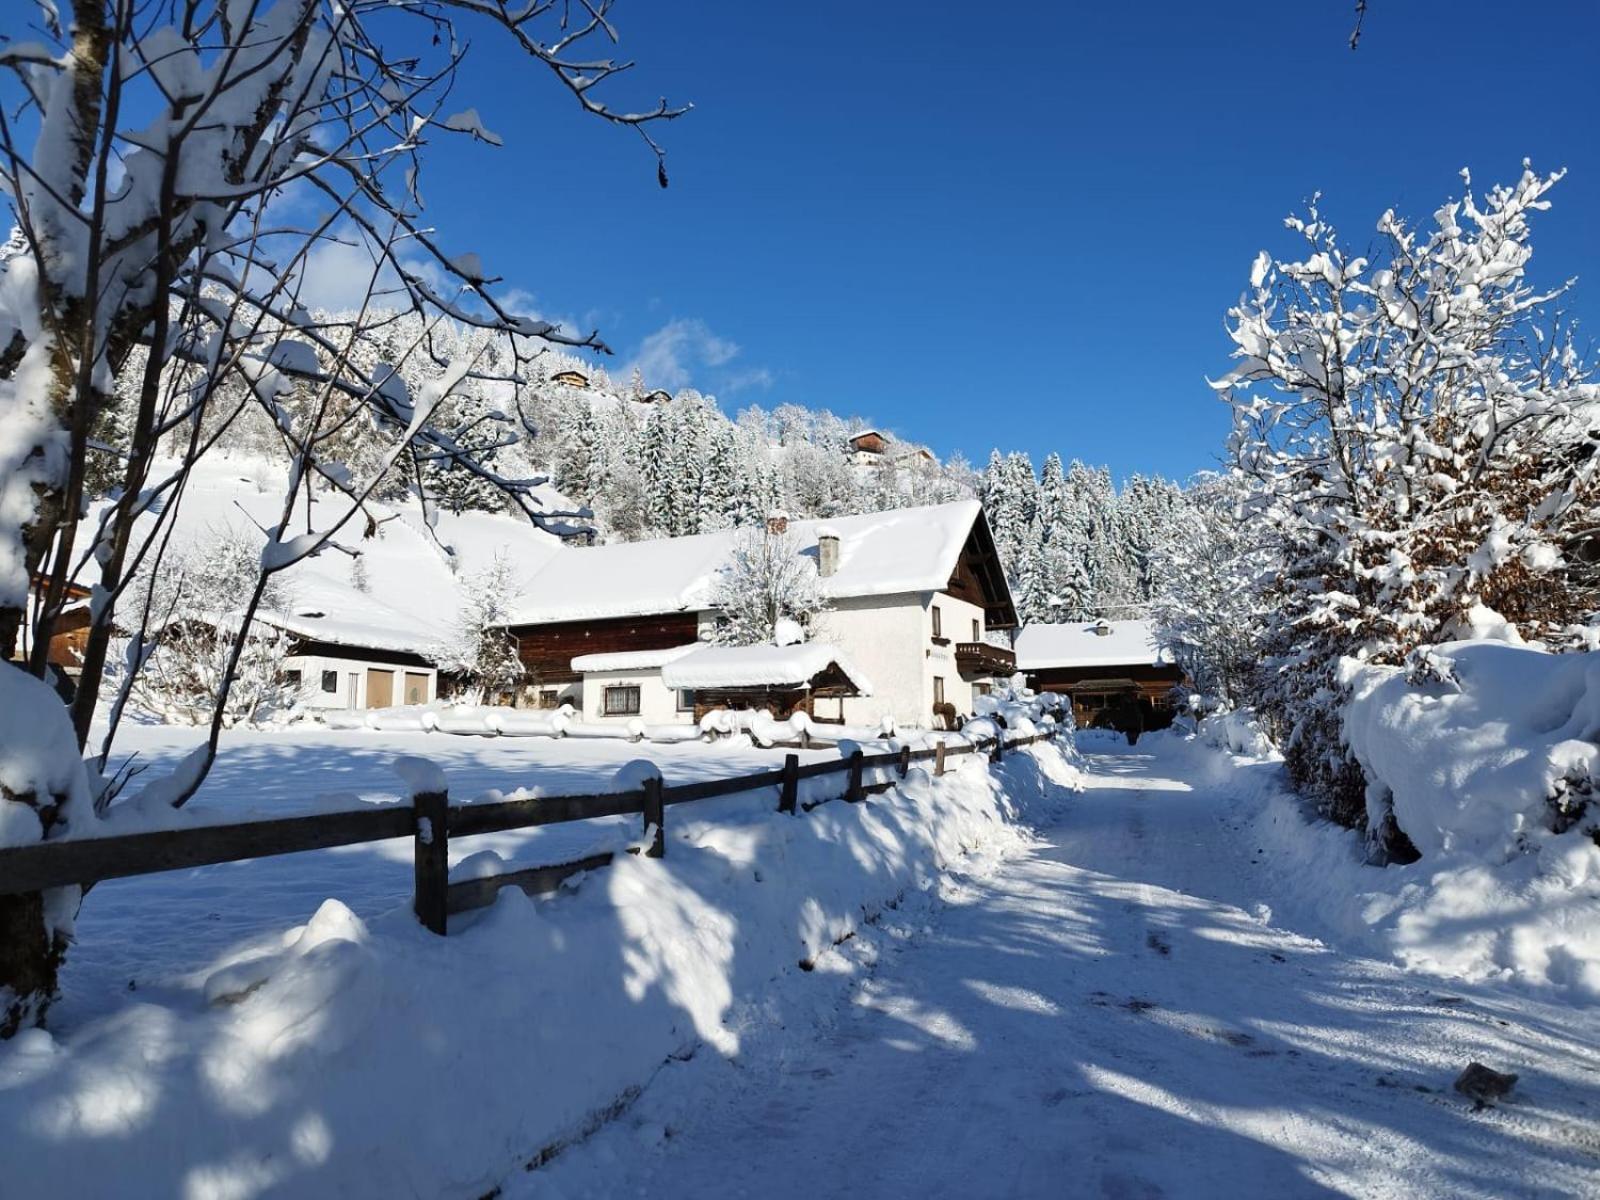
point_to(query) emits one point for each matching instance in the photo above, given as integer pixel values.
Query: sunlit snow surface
(1119, 1013)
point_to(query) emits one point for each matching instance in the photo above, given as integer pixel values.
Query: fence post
(905, 760)
(853, 793)
(788, 798)
(996, 754)
(938, 759)
(655, 813)
(431, 851)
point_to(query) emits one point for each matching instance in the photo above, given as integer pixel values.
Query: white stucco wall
(889, 637)
(350, 690)
(658, 704)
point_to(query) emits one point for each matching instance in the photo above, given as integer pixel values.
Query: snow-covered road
(1116, 1014)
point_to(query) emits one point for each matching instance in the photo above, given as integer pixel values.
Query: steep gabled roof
(880, 554)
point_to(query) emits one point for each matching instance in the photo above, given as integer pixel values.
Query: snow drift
(1486, 754)
(373, 1059)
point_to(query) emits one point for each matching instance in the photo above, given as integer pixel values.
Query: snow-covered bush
(1416, 425)
(1482, 749)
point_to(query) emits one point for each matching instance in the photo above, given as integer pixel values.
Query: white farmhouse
(914, 594)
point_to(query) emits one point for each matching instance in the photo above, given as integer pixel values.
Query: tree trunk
(30, 961)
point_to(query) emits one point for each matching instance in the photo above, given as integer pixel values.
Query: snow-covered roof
(761, 666)
(880, 554)
(1082, 644)
(630, 660)
(413, 575)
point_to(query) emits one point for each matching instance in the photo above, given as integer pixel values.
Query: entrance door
(416, 688)
(380, 688)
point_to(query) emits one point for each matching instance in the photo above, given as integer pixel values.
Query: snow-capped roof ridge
(882, 553)
(1097, 642)
(760, 666)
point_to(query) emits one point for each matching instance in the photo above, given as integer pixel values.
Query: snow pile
(38, 759)
(1237, 731)
(1486, 754)
(1481, 747)
(370, 1058)
(1470, 763)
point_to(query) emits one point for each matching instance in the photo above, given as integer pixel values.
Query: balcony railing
(977, 659)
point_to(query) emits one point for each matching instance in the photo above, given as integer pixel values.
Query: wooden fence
(432, 821)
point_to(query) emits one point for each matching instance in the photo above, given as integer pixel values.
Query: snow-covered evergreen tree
(482, 655)
(1211, 566)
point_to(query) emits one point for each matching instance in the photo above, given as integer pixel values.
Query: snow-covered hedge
(1482, 748)
(1486, 753)
(374, 1059)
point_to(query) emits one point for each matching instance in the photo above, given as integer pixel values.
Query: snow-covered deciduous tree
(1421, 430)
(482, 655)
(174, 171)
(174, 668)
(766, 580)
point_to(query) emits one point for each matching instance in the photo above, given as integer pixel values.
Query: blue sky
(1019, 227)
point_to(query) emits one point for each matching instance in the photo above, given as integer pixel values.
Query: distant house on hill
(619, 631)
(570, 378)
(658, 396)
(1104, 666)
(867, 447)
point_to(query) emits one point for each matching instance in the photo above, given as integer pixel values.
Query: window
(622, 701)
(685, 699)
(938, 622)
(938, 689)
(330, 681)
(977, 630)
(549, 698)
(293, 679)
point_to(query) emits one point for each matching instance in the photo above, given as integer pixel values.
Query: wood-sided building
(914, 595)
(1104, 666)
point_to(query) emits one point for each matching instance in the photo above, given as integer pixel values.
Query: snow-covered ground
(1124, 1010)
(230, 1033)
(145, 933)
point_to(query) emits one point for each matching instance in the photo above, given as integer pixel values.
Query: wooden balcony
(978, 660)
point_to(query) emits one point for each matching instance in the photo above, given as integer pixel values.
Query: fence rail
(432, 822)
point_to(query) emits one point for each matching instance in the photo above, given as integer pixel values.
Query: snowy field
(150, 933)
(1138, 1006)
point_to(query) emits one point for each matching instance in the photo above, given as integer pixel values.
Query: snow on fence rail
(431, 821)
